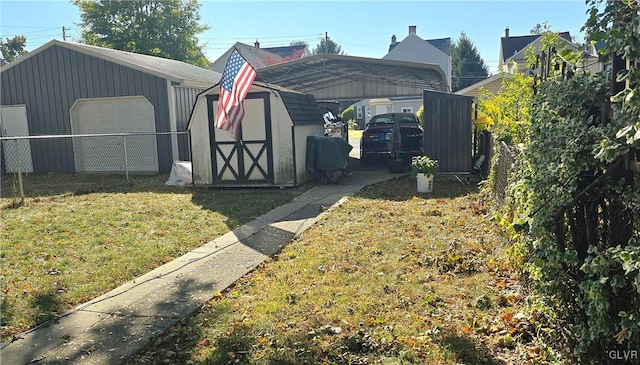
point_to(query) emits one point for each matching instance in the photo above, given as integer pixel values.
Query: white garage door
(381, 109)
(114, 153)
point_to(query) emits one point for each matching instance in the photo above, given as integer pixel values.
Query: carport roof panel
(310, 74)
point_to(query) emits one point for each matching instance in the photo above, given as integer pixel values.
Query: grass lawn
(74, 242)
(388, 277)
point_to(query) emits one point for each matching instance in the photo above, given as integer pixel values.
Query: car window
(383, 120)
(407, 120)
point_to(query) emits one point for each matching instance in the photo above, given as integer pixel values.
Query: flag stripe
(237, 78)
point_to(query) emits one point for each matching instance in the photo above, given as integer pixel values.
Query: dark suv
(376, 137)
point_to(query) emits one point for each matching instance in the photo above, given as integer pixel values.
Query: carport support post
(19, 167)
(126, 159)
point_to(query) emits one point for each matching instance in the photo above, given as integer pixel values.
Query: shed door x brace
(250, 158)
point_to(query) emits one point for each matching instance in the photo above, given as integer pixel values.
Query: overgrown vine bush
(569, 142)
(507, 116)
(564, 138)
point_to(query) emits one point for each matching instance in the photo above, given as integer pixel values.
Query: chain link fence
(504, 163)
(38, 166)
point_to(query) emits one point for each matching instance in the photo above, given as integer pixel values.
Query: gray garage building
(64, 88)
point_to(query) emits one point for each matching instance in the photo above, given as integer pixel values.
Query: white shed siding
(201, 152)
(282, 143)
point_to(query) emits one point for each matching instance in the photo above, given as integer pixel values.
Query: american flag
(237, 79)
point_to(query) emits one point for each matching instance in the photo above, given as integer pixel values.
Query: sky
(361, 28)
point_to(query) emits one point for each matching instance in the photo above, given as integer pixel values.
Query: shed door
(114, 115)
(250, 158)
(13, 123)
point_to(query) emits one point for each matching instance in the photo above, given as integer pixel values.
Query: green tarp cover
(327, 153)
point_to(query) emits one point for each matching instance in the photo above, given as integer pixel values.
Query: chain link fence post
(126, 158)
(19, 170)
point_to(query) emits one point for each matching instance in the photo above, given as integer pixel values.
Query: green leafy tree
(347, 114)
(540, 29)
(299, 43)
(562, 136)
(507, 114)
(326, 45)
(621, 41)
(467, 67)
(13, 48)
(559, 51)
(420, 114)
(166, 28)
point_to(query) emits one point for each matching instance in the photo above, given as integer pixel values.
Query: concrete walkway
(111, 328)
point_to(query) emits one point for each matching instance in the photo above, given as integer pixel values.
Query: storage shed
(271, 147)
(64, 88)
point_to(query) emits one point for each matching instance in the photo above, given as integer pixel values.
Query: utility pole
(64, 33)
(326, 42)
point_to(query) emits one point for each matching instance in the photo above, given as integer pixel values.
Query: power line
(294, 37)
(23, 27)
(361, 45)
(42, 36)
(34, 32)
(275, 43)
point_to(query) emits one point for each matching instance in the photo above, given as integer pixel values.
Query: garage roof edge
(108, 55)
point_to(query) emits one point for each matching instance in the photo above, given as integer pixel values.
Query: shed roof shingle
(302, 108)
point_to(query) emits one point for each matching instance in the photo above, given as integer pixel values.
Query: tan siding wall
(493, 87)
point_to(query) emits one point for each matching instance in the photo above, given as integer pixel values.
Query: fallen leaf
(506, 317)
(621, 336)
(204, 343)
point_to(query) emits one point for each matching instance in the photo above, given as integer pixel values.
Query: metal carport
(339, 77)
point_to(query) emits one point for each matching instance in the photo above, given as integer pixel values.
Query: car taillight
(367, 136)
(413, 132)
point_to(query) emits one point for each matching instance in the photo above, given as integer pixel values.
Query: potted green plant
(424, 169)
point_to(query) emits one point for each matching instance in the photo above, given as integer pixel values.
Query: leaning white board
(13, 123)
